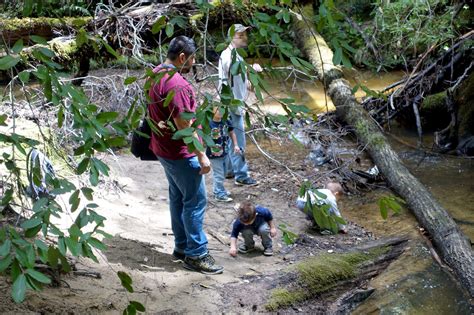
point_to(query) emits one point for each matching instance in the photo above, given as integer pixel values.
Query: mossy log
(66, 53)
(12, 30)
(336, 279)
(453, 245)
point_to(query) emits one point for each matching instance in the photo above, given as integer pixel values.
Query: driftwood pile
(445, 73)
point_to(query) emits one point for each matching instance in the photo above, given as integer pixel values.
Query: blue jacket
(263, 215)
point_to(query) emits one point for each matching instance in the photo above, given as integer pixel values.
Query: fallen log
(334, 282)
(12, 30)
(453, 245)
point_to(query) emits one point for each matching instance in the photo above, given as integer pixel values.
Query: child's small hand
(273, 232)
(237, 150)
(233, 252)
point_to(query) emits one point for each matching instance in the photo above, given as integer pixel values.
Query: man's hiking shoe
(206, 265)
(178, 256)
(268, 251)
(244, 249)
(223, 198)
(246, 182)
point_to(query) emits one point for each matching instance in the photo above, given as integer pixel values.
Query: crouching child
(333, 191)
(252, 220)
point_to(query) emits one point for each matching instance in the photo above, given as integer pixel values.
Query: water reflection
(312, 94)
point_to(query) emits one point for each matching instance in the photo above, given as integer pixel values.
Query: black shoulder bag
(140, 143)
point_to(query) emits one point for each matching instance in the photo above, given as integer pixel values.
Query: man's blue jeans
(218, 176)
(187, 193)
(237, 161)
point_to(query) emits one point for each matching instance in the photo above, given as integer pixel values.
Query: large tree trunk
(452, 244)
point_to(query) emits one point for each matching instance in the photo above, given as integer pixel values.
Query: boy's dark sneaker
(206, 265)
(229, 176)
(244, 249)
(246, 182)
(178, 255)
(268, 251)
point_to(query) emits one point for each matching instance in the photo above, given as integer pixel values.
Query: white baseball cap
(238, 28)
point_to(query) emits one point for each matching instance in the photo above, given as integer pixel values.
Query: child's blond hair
(335, 188)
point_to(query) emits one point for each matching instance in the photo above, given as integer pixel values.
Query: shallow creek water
(415, 283)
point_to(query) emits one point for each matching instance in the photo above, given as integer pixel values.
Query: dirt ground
(135, 203)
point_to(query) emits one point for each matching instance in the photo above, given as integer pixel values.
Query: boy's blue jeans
(187, 193)
(263, 231)
(235, 161)
(218, 176)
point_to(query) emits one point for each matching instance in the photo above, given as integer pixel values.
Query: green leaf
(72, 245)
(81, 38)
(383, 209)
(62, 245)
(131, 310)
(94, 176)
(8, 62)
(345, 61)
(38, 39)
(24, 76)
(337, 58)
(247, 120)
(5, 263)
(39, 204)
(31, 223)
(355, 88)
(96, 243)
(5, 248)
(74, 232)
(158, 25)
(339, 220)
(19, 289)
(47, 52)
(129, 80)
(81, 168)
(197, 145)
(18, 46)
(262, 16)
(33, 231)
(74, 200)
(27, 8)
(125, 280)
(220, 47)
(53, 256)
(66, 267)
(60, 117)
(139, 306)
(106, 117)
(87, 192)
(38, 276)
(3, 118)
(32, 283)
(110, 49)
(169, 98)
(186, 132)
(169, 29)
(101, 166)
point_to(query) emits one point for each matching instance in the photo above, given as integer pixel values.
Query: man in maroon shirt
(184, 170)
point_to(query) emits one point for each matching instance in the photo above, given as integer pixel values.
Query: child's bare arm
(234, 141)
(233, 247)
(273, 230)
